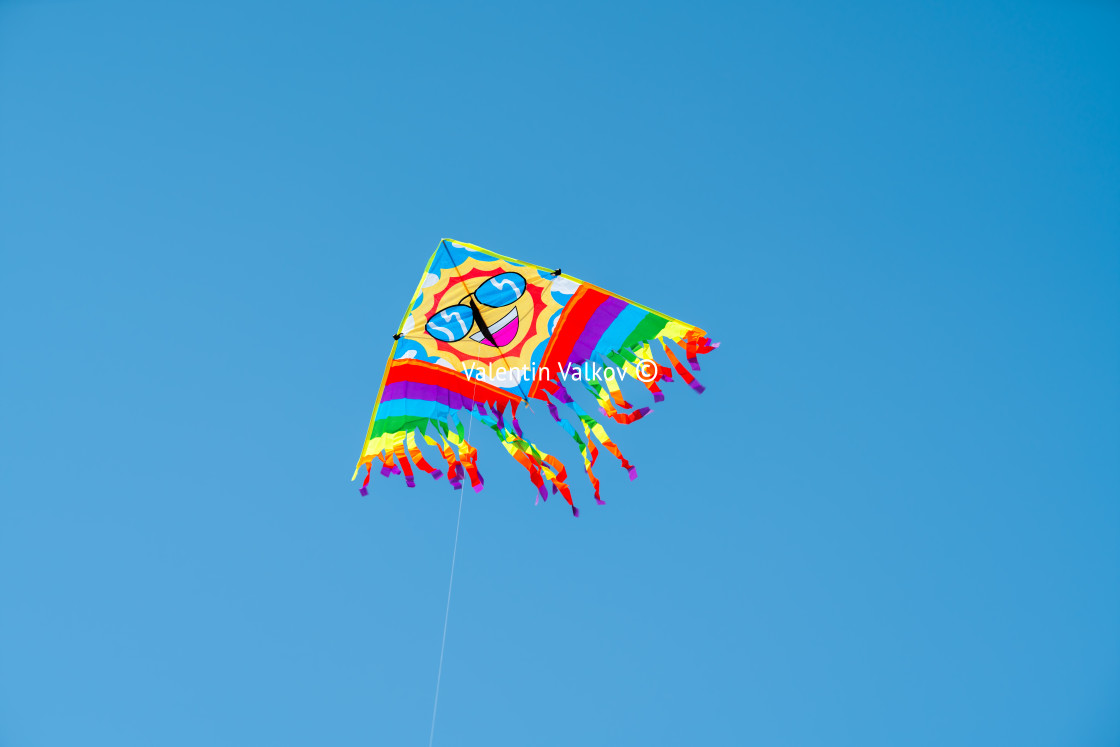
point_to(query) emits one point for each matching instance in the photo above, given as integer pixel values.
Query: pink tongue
(505, 335)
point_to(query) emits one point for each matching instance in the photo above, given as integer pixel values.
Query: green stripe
(646, 330)
(396, 424)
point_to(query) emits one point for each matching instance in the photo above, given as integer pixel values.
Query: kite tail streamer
(592, 427)
(616, 392)
(557, 478)
(555, 472)
(628, 362)
(468, 457)
(695, 344)
(388, 464)
(402, 459)
(418, 457)
(364, 490)
(611, 395)
(454, 471)
(533, 469)
(688, 378)
(586, 450)
(641, 365)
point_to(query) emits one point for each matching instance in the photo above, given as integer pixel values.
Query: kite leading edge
(486, 333)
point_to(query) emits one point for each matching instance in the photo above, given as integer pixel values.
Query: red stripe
(573, 319)
(407, 369)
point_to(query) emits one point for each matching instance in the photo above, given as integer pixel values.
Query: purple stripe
(427, 393)
(607, 312)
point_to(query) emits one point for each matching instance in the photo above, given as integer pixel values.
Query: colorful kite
(486, 333)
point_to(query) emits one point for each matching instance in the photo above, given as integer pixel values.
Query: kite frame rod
(546, 269)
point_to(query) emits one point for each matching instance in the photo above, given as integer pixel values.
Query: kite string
(450, 582)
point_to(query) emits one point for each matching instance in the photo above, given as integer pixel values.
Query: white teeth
(497, 327)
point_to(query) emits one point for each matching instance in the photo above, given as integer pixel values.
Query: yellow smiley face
(489, 313)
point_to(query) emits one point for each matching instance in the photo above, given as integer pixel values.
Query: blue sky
(891, 519)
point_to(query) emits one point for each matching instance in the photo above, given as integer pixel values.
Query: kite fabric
(486, 333)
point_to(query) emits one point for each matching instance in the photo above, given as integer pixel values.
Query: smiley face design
(489, 313)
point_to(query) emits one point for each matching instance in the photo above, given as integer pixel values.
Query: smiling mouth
(503, 331)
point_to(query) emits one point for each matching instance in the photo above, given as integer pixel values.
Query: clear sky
(893, 518)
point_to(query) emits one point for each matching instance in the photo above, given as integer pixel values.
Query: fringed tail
(418, 457)
(398, 451)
